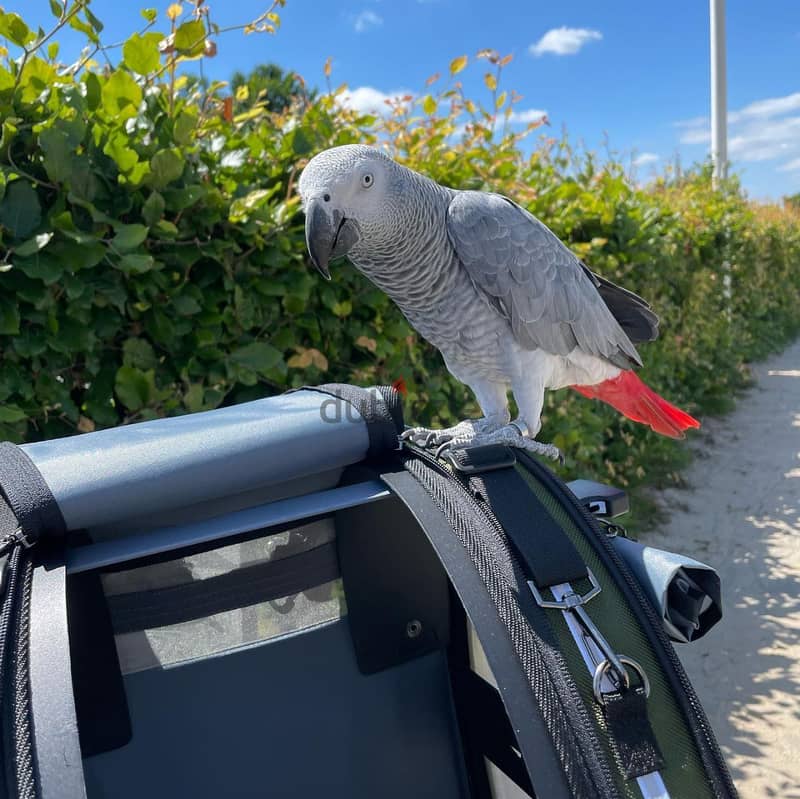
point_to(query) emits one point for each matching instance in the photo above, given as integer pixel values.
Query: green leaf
(121, 96)
(153, 208)
(193, 398)
(58, 155)
(9, 317)
(7, 80)
(73, 336)
(149, 14)
(11, 413)
(33, 245)
(136, 264)
(56, 8)
(20, 210)
(180, 199)
(52, 50)
(93, 90)
(129, 237)
(301, 143)
(243, 206)
(258, 356)
(186, 305)
(85, 28)
(42, 267)
(14, 29)
(165, 166)
(134, 388)
(139, 353)
(190, 38)
(429, 105)
(141, 52)
(75, 254)
(37, 76)
(93, 20)
(166, 229)
(343, 309)
(116, 148)
(184, 128)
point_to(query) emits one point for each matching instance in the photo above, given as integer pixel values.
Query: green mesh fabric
(683, 773)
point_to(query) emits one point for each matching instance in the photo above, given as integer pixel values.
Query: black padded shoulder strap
(28, 495)
(548, 555)
(380, 407)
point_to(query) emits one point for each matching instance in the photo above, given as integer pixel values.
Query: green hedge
(152, 259)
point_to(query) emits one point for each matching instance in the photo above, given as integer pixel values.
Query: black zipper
(492, 520)
(685, 693)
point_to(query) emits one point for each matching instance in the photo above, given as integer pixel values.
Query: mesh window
(237, 595)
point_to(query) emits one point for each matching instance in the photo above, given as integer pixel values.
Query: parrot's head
(348, 195)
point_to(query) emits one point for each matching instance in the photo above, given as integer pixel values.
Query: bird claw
(465, 435)
(426, 438)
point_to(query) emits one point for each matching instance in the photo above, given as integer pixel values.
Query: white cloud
(765, 141)
(699, 134)
(691, 123)
(791, 166)
(760, 131)
(765, 109)
(643, 159)
(526, 116)
(564, 41)
(367, 20)
(370, 101)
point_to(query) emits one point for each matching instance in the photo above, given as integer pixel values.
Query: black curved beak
(329, 234)
(321, 230)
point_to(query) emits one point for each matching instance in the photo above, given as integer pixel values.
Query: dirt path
(743, 516)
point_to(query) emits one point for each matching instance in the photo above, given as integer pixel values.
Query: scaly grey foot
(511, 435)
(466, 430)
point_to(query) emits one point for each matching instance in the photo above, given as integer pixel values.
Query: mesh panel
(217, 562)
(227, 631)
(217, 601)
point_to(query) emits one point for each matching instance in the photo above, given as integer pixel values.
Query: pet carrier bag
(277, 599)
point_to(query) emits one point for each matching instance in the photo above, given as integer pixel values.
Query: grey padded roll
(686, 592)
(104, 477)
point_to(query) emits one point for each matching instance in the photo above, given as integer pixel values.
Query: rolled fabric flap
(686, 592)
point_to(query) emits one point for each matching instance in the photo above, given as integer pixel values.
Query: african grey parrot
(492, 288)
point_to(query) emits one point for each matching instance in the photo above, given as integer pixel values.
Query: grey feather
(551, 300)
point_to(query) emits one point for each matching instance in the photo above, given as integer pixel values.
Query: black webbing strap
(548, 555)
(631, 733)
(380, 408)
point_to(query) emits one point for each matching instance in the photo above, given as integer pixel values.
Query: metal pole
(719, 91)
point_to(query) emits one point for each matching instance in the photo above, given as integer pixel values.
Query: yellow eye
(367, 180)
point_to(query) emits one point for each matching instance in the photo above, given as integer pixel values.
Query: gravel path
(743, 516)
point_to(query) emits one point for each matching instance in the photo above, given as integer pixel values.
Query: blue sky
(630, 72)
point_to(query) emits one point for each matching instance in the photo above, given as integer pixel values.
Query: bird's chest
(461, 323)
(437, 296)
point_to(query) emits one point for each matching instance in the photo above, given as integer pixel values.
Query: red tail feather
(631, 397)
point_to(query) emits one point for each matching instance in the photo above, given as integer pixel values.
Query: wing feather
(551, 300)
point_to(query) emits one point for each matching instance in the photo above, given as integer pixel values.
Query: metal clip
(571, 600)
(604, 666)
(19, 536)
